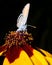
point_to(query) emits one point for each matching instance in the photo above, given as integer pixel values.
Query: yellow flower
(17, 51)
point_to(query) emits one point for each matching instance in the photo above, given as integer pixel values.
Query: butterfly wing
(22, 19)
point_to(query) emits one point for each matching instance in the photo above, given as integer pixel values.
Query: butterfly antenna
(31, 26)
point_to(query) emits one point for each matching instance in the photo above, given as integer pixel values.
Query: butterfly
(22, 19)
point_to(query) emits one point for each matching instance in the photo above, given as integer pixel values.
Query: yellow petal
(35, 60)
(1, 53)
(22, 60)
(40, 57)
(49, 59)
(46, 53)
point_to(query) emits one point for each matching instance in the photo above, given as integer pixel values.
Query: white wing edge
(25, 10)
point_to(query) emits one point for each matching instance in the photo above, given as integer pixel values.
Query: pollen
(18, 38)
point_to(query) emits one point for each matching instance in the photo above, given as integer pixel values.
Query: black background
(40, 15)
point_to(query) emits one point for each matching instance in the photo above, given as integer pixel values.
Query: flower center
(18, 38)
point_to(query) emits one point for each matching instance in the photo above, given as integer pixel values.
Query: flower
(17, 51)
